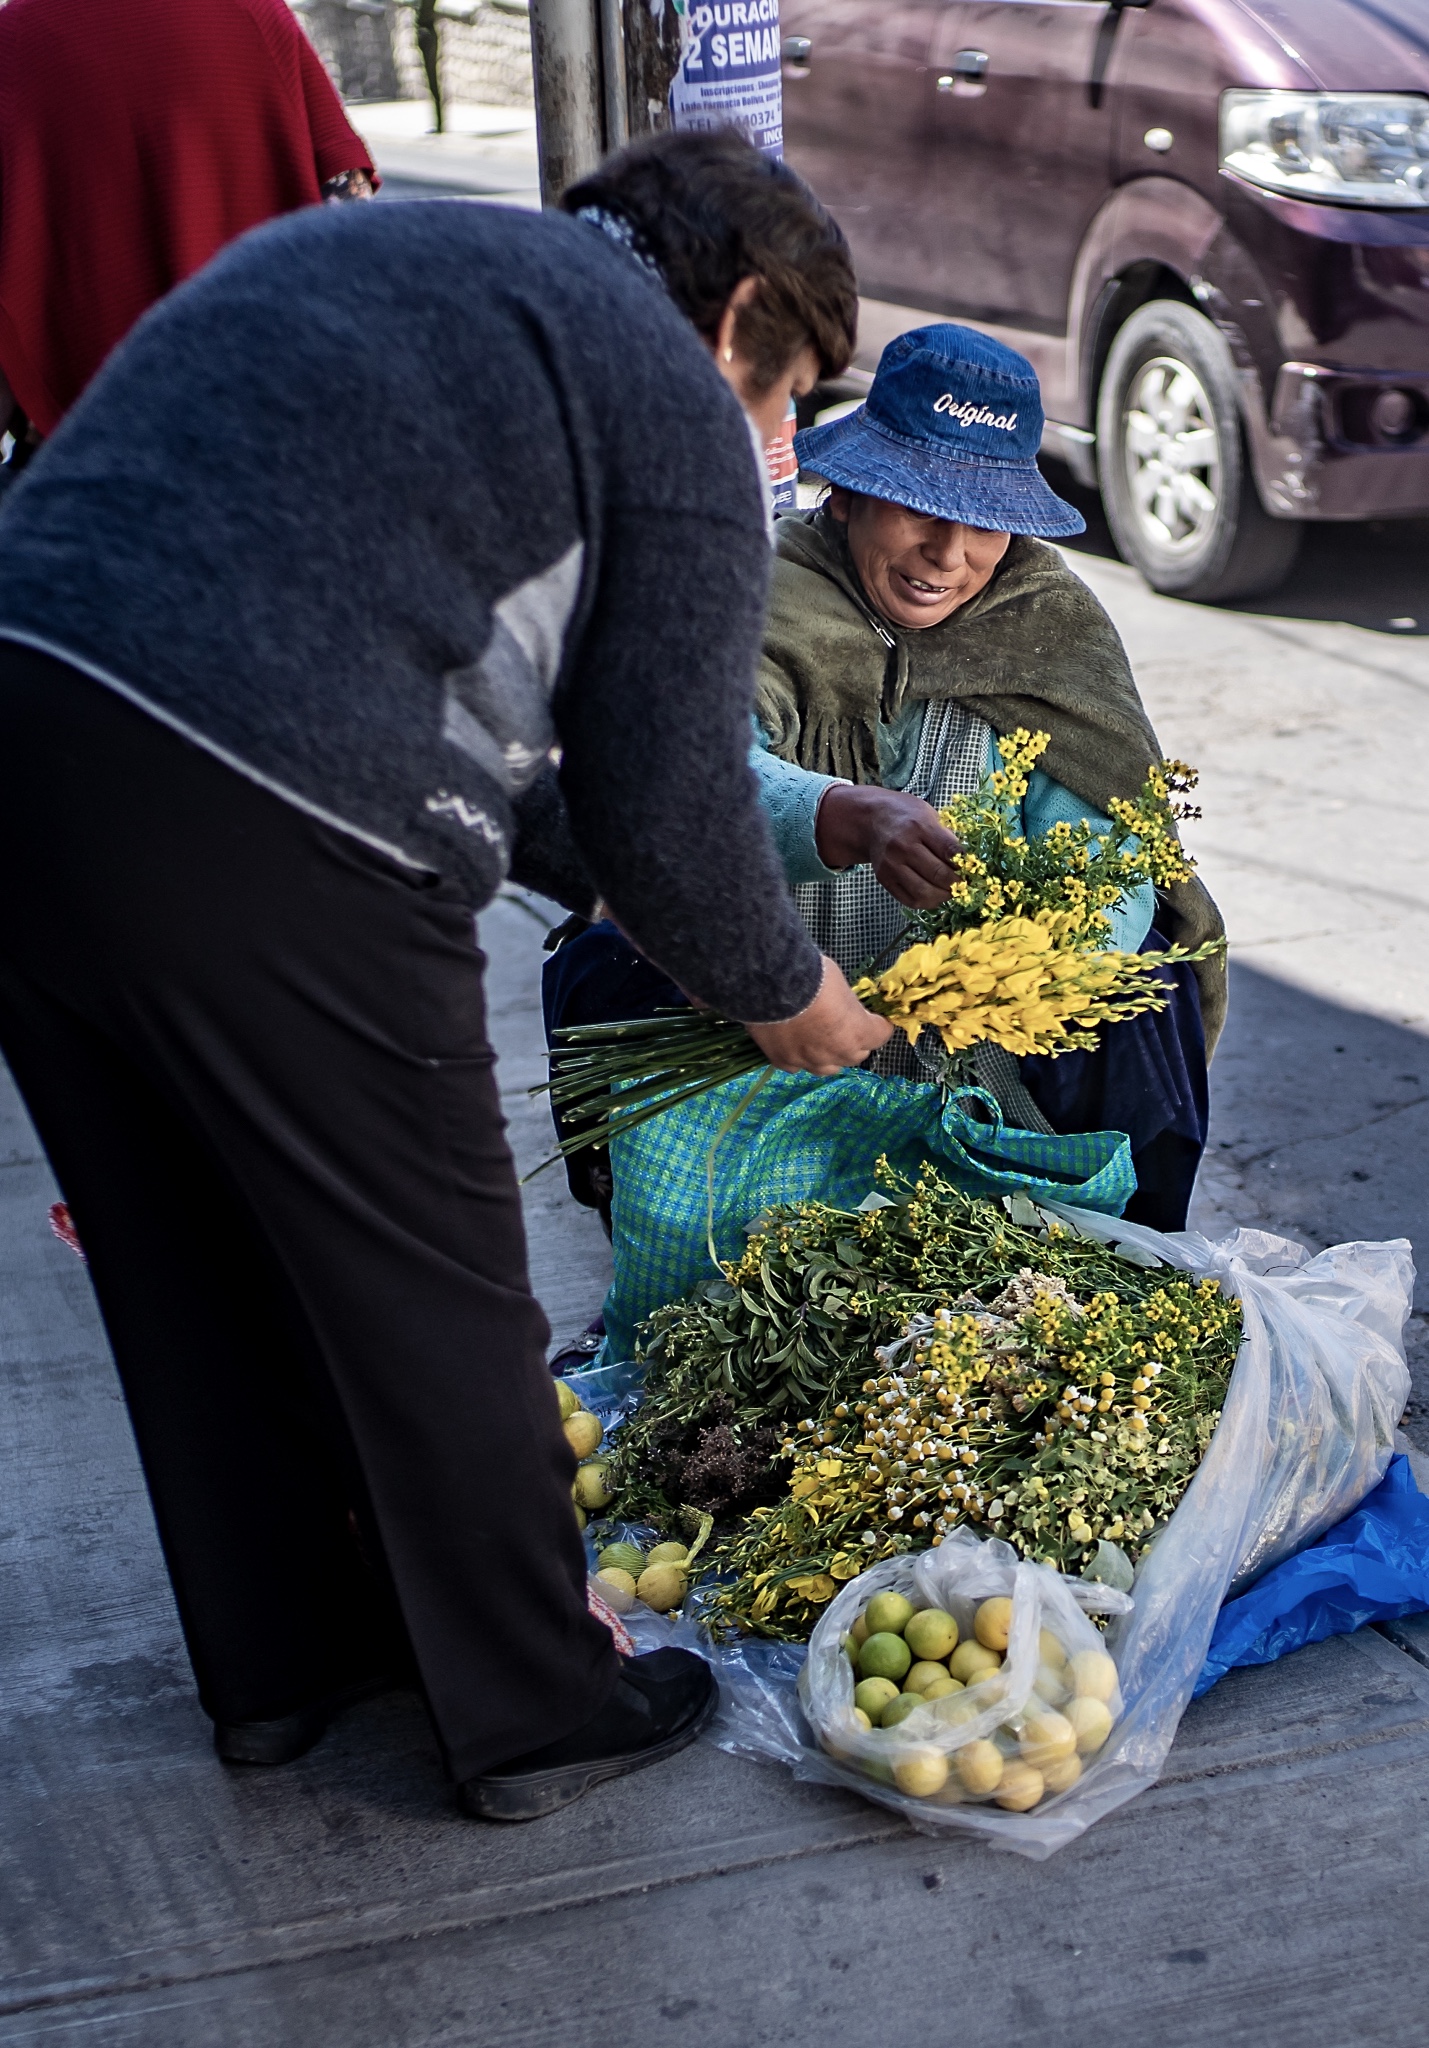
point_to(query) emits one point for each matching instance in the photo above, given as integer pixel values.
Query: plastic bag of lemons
(963, 1676)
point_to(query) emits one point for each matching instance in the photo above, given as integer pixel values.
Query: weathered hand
(834, 1032)
(899, 836)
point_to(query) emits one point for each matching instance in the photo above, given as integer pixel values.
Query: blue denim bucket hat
(951, 427)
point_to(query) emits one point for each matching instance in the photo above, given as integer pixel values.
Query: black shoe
(577, 1355)
(292, 1735)
(659, 1705)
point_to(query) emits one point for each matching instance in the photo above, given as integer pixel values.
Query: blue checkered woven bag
(801, 1139)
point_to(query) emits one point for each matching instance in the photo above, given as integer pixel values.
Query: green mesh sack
(801, 1138)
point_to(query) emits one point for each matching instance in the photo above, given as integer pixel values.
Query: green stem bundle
(607, 1078)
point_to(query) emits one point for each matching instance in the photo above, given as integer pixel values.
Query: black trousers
(255, 1052)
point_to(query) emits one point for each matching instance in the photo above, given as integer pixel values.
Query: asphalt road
(1269, 1893)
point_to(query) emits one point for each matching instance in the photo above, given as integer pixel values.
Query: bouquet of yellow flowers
(1017, 955)
(1072, 870)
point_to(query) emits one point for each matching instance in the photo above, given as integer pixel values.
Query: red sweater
(136, 138)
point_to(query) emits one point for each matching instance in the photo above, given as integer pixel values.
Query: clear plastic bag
(966, 1746)
(1306, 1431)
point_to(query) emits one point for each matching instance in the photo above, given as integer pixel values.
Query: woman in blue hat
(916, 615)
(913, 617)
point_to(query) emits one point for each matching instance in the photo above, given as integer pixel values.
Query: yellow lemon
(1049, 1685)
(668, 1553)
(1063, 1774)
(973, 1661)
(583, 1432)
(979, 1766)
(1046, 1738)
(888, 1614)
(1019, 1787)
(618, 1588)
(873, 1695)
(1090, 1721)
(952, 1793)
(921, 1676)
(932, 1635)
(884, 1655)
(992, 1622)
(842, 1731)
(920, 1772)
(580, 1518)
(591, 1490)
(567, 1399)
(956, 1709)
(1093, 1675)
(940, 1687)
(661, 1586)
(859, 1631)
(1049, 1650)
(899, 1709)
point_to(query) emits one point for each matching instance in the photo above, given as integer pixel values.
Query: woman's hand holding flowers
(900, 837)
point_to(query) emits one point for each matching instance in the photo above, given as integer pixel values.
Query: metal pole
(612, 68)
(565, 49)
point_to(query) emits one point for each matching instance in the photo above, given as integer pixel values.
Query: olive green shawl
(1034, 649)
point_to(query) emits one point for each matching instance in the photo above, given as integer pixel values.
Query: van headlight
(1354, 148)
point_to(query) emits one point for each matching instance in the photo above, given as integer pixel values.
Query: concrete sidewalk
(1269, 1893)
(485, 153)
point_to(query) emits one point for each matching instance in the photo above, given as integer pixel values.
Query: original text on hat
(967, 414)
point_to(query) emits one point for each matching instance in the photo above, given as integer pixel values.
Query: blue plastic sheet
(1371, 1567)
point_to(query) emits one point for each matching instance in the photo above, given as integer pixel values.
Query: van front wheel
(1172, 463)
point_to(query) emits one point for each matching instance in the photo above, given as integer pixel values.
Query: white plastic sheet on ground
(1307, 1430)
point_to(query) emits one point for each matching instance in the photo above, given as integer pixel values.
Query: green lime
(899, 1709)
(884, 1656)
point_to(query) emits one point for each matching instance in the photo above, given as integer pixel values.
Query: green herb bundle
(1033, 1382)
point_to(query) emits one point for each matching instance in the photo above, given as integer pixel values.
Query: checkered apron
(855, 920)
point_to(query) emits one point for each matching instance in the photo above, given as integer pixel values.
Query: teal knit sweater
(789, 796)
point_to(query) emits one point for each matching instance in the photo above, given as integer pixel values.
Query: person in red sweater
(135, 141)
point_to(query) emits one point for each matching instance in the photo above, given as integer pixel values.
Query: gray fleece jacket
(388, 503)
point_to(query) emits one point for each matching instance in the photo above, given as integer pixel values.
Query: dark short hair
(708, 209)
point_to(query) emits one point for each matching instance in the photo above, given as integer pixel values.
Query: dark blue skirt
(1146, 1078)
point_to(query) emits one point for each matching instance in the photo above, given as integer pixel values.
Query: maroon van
(1205, 221)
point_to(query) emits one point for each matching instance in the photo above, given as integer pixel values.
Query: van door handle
(969, 68)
